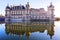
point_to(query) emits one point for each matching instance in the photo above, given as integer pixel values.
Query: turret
(51, 11)
(27, 5)
(7, 7)
(7, 15)
(51, 8)
(27, 16)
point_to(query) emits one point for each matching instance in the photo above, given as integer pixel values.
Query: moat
(30, 31)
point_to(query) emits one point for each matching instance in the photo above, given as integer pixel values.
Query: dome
(51, 5)
(7, 7)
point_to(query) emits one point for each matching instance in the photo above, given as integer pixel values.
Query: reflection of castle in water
(27, 28)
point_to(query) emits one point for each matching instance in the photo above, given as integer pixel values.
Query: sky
(33, 4)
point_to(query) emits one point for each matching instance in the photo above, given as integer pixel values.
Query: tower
(27, 5)
(51, 12)
(7, 15)
(27, 16)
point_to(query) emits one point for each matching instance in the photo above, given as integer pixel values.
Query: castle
(20, 13)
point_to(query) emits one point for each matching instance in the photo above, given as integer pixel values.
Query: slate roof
(51, 6)
(7, 7)
(16, 8)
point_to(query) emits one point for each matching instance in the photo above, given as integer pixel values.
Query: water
(30, 31)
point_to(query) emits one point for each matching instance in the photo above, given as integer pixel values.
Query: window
(18, 12)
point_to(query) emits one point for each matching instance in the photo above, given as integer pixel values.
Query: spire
(27, 2)
(51, 3)
(7, 4)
